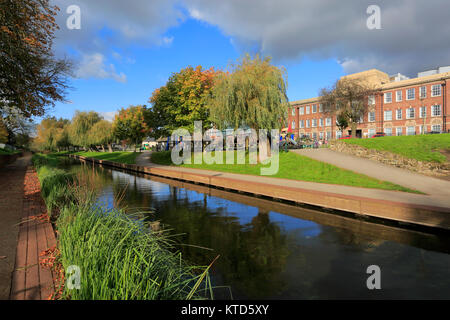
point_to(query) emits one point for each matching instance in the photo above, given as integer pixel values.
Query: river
(273, 250)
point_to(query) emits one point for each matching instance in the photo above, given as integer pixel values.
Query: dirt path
(429, 185)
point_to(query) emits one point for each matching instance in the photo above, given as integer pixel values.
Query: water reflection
(270, 250)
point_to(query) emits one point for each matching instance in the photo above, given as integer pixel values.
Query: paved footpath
(439, 197)
(403, 177)
(23, 235)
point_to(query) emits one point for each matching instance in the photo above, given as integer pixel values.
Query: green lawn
(118, 156)
(8, 152)
(295, 167)
(421, 147)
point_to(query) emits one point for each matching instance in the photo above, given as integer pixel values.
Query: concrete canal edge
(415, 215)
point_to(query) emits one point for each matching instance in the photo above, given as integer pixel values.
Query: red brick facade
(412, 119)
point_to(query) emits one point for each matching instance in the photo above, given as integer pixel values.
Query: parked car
(346, 137)
(379, 134)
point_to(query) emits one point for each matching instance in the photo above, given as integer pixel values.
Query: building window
(314, 135)
(328, 122)
(371, 117)
(398, 131)
(321, 122)
(314, 108)
(410, 113)
(436, 128)
(302, 123)
(293, 124)
(320, 107)
(436, 90)
(388, 97)
(398, 96)
(388, 115)
(410, 131)
(388, 131)
(423, 112)
(328, 135)
(436, 110)
(301, 110)
(411, 94)
(371, 132)
(338, 134)
(399, 114)
(423, 92)
(321, 135)
(371, 100)
(314, 123)
(307, 109)
(293, 111)
(307, 123)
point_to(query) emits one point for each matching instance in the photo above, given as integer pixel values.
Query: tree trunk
(110, 147)
(103, 148)
(354, 126)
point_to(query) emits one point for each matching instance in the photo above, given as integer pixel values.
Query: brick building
(400, 106)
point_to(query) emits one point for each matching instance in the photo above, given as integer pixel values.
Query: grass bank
(117, 156)
(295, 167)
(8, 152)
(420, 147)
(118, 255)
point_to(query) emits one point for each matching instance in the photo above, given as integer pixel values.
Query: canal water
(272, 250)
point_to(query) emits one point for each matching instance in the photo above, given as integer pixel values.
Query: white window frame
(320, 107)
(388, 112)
(435, 126)
(293, 124)
(307, 109)
(371, 132)
(314, 108)
(408, 131)
(397, 114)
(371, 100)
(307, 123)
(371, 116)
(302, 123)
(408, 114)
(421, 113)
(423, 92)
(433, 109)
(321, 122)
(313, 123)
(413, 90)
(388, 131)
(433, 90)
(398, 131)
(397, 98)
(388, 94)
(301, 110)
(293, 111)
(328, 122)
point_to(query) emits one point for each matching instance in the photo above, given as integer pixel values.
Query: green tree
(3, 132)
(252, 94)
(31, 78)
(129, 124)
(82, 122)
(342, 121)
(347, 99)
(183, 100)
(102, 133)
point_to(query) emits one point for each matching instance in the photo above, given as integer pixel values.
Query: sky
(124, 50)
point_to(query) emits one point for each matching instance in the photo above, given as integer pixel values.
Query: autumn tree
(3, 132)
(31, 78)
(82, 122)
(252, 93)
(52, 134)
(129, 124)
(102, 134)
(183, 100)
(347, 99)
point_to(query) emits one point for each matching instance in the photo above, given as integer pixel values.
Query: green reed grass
(119, 256)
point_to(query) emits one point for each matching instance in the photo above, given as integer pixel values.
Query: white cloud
(93, 66)
(109, 116)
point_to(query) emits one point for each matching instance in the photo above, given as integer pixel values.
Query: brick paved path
(23, 235)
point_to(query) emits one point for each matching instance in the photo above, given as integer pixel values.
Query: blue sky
(126, 49)
(193, 43)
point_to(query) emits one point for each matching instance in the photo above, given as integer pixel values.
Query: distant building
(400, 106)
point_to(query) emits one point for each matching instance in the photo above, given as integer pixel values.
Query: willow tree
(252, 93)
(102, 134)
(82, 122)
(347, 99)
